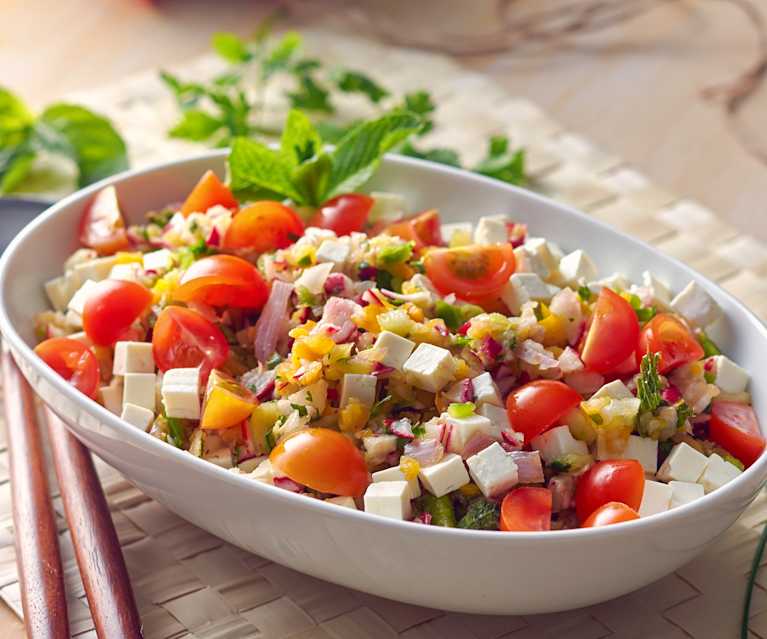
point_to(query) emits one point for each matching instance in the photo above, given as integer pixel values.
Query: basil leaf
(356, 82)
(255, 166)
(231, 48)
(195, 125)
(300, 141)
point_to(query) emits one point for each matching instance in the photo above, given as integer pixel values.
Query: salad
(466, 375)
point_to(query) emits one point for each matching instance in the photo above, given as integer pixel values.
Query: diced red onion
(425, 451)
(368, 272)
(392, 459)
(402, 428)
(214, 238)
(708, 365)
(333, 396)
(490, 349)
(570, 361)
(517, 233)
(423, 518)
(562, 489)
(477, 442)
(467, 391)
(671, 394)
(585, 382)
(464, 328)
(380, 370)
(338, 284)
(529, 467)
(533, 353)
(512, 440)
(272, 321)
(288, 484)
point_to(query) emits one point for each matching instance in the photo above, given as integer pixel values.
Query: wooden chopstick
(43, 597)
(101, 563)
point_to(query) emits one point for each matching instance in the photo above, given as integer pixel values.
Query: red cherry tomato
(669, 336)
(208, 192)
(343, 214)
(182, 338)
(263, 226)
(473, 273)
(223, 280)
(423, 229)
(526, 509)
(613, 334)
(324, 460)
(73, 360)
(613, 512)
(110, 309)
(612, 480)
(102, 226)
(537, 406)
(735, 428)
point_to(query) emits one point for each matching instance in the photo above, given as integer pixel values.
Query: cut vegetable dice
(429, 367)
(181, 393)
(334, 251)
(138, 389)
(491, 230)
(577, 267)
(360, 387)
(485, 390)
(696, 305)
(644, 450)
(457, 234)
(616, 282)
(133, 357)
(346, 502)
(539, 257)
(137, 416)
(60, 290)
(158, 261)
(465, 430)
(395, 474)
(95, 270)
(493, 470)
(557, 442)
(730, 377)
(684, 492)
(655, 499)
(444, 477)
(615, 389)
(717, 473)
(684, 463)
(497, 416)
(525, 287)
(660, 291)
(313, 278)
(111, 397)
(130, 272)
(377, 447)
(388, 499)
(395, 349)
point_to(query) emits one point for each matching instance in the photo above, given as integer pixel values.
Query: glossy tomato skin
(208, 192)
(423, 229)
(182, 338)
(613, 512)
(102, 226)
(73, 360)
(537, 406)
(735, 428)
(324, 460)
(223, 280)
(263, 226)
(526, 509)
(110, 309)
(473, 273)
(611, 480)
(613, 334)
(668, 335)
(344, 214)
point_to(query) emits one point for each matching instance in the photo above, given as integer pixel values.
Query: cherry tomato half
(669, 336)
(537, 406)
(526, 509)
(423, 229)
(613, 512)
(735, 428)
(73, 360)
(324, 460)
(223, 280)
(471, 272)
(208, 192)
(263, 226)
(613, 334)
(110, 309)
(102, 226)
(182, 338)
(344, 213)
(612, 480)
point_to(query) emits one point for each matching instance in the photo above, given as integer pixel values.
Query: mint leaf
(356, 82)
(196, 125)
(253, 166)
(279, 57)
(500, 163)
(14, 167)
(439, 155)
(231, 48)
(15, 119)
(311, 95)
(300, 141)
(187, 94)
(421, 103)
(310, 179)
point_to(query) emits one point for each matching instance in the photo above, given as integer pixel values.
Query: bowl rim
(142, 439)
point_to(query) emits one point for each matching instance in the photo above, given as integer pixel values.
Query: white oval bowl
(458, 570)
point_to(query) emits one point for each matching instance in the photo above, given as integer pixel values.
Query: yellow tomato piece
(353, 417)
(555, 330)
(224, 409)
(309, 373)
(123, 257)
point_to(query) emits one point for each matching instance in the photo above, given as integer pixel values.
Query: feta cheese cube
(181, 392)
(491, 230)
(526, 287)
(77, 303)
(395, 474)
(137, 416)
(696, 305)
(360, 387)
(445, 476)
(60, 290)
(457, 234)
(388, 499)
(493, 470)
(644, 450)
(498, 417)
(730, 377)
(616, 282)
(717, 473)
(684, 463)
(387, 207)
(557, 442)
(129, 272)
(615, 389)
(377, 447)
(133, 357)
(95, 270)
(138, 389)
(313, 278)
(655, 499)
(464, 429)
(334, 251)
(485, 390)
(684, 492)
(346, 502)
(158, 261)
(660, 291)
(394, 348)
(111, 397)
(577, 267)
(542, 253)
(529, 262)
(429, 367)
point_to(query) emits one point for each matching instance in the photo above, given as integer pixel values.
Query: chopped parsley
(683, 413)
(452, 314)
(649, 382)
(481, 514)
(395, 254)
(305, 296)
(584, 292)
(302, 410)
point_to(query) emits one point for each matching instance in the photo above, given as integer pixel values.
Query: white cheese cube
(529, 262)
(644, 450)
(730, 377)
(334, 251)
(429, 367)
(493, 470)
(684, 463)
(377, 447)
(557, 442)
(263, 472)
(133, 357)
(77, 303)
(615, 389)
(360, 387)
(491, 230)
(128, 272)
(655, 499)
(95, 270)
(616, 282)
(181, 392)
(717, 473)
(457, 234)
(485, 390)
(526, 287)
(394, 348)
(543, 253)
(696, 305)
(445, 476)
(60, 290)
(387, 207)
(684, 492)
(388, 499)
(137, 416)
(498, 417)
(73, 320)
(464, 429)
(345, 502)
(577, 267)
(138, 389)
(111, 397)
(158, 261)
(313, 278)
(395, 474)
(660, 291)
(80, 256)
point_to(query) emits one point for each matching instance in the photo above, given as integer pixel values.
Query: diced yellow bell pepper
(226, 402)
(555, 330)
(303, 330)
(353, 417)
(313, 347)
(124, 257)
(409, 467)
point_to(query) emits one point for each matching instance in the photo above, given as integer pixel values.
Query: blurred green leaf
(356, 82)
(196, 125)
(231, 48)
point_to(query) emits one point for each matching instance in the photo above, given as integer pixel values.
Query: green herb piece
(302, 410)
(559, 466)
(649, 383)
(538, 310)
(421, 103)
(231, 48)
(453, 315)
(643, 314)
(461, 340)
(280, 57)
(459, 411)
(500, 163)
(379, 405)
(710, 377)
(311, 95)
(161, 218)
(439, 155)
(418, 266)
(305, 296)
(356, 82)
(384, 279)
(683, 413)
(273, 361)
(570, 463)
(305, 261)
(440, 509)
(270, 441)
(196, 125)
(176, 432)
(481, 514)
(419, 430)
(734, 461)
(584, 292)
(709, 347)
(395, 254)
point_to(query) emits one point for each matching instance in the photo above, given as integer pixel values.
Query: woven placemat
(191, 584)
